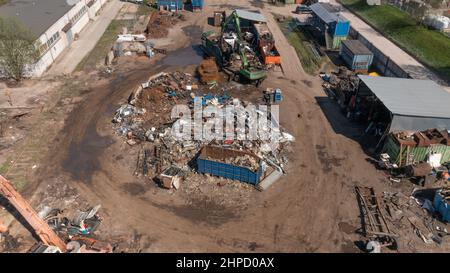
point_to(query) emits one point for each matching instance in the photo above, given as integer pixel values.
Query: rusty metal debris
(208, 71)
(341, 84)
(375, 225)
(160, 22)
(146, 120)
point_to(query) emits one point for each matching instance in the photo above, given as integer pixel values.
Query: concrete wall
(64, 39)
(55, 50)
(81, 22)
(94, 8)
(381, 62)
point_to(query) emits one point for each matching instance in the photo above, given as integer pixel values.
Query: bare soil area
(311, 209)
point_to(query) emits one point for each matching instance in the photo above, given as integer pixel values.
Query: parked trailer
(263, 34)
(357, 56)
(270, 56)
(266, 44)
(210, 161)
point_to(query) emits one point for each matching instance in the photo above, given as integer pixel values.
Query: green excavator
(230, 51)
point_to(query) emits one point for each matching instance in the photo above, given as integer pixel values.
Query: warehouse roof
(356, 47)
(323, 13)
(38, 15)
(252, 16)
(410, 97)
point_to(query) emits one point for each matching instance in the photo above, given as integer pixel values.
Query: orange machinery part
(269, 59)
(41, 228)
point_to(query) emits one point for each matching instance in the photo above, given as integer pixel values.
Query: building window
(42, 48)
(91, 3)
(52, 40)
(78, 15)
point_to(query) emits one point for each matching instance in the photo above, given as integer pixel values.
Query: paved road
(69, 59)
(292, 68)
(400, 57)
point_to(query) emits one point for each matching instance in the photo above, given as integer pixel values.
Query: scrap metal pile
(243, 161)
(146, 119)
(231, 39)
(342, 84)
(71, 223)
(208, 71)
(160, 22)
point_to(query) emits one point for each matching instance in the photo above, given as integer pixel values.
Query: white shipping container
(437, 22)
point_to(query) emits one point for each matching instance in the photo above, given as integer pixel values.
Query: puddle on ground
(346, 228)
(134, 188)
(81, 161)
(190, 55)
(328, 161)
(202, 210)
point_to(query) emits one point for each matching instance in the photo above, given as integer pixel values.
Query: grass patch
(300, 40)
(19, 182)
(103, 46)
(429, 46)
(144, 9)
(5, 166)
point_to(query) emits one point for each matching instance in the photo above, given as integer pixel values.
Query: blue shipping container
(342, 28)
(441, 206)
(172, 5)
(207, 164)
(197, 4)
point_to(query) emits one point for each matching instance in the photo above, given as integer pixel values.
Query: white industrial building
(55, 22)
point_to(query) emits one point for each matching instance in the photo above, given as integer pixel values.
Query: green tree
(18, 48)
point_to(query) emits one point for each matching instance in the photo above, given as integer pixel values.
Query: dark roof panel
(323, 13)
(410, 97)
(251, 16)
(38, 15)
(356, 47)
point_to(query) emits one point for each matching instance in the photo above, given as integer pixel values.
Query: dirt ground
(75, 149)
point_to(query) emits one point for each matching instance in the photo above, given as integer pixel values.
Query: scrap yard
(206, 126)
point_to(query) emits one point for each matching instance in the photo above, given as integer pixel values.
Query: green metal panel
(289, 1)
(337, 41)
(253, 75)
(392, 148)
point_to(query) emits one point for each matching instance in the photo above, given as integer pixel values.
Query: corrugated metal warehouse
(414, 105)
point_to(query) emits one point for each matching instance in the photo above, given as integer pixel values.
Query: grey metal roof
(357, 47)
(252, 16)
(38, 15)
(410, 97)
(323, 13)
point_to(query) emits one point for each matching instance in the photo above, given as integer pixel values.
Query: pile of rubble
(70, 223)
(208, 71)
(133, 44)
(160, 22)
(242, 161)
(146, 119)
(341, 83)
(71, 217)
